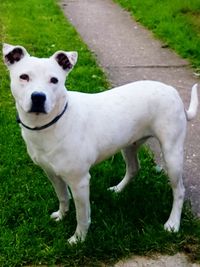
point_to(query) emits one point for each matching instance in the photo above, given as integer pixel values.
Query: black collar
(43, 126)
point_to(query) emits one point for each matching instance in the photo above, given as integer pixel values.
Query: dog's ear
(66, 60)
(13, 54)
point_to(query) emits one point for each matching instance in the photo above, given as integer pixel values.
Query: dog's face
(37, 84)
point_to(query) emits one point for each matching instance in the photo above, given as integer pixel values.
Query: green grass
(131, 222)
(176, 22)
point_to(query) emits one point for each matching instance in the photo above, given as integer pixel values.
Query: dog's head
(37, 84)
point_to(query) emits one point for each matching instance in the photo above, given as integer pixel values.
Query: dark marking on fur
(14, 56)
(63, 61)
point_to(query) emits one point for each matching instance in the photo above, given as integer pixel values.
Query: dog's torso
(95, 126)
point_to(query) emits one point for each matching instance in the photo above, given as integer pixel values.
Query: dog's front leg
(62, 194)
(80, 192)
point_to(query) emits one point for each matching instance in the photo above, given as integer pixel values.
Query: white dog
(68, 132)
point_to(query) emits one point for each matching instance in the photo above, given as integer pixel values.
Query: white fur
(96, 126)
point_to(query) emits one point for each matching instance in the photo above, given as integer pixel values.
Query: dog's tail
(194, 102)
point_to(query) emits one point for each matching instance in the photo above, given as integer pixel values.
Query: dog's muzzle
(38, 102)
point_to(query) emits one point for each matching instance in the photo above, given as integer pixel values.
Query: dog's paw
(115, 189)
(171, 226)
(79, 236)
(73, 240)
(57, 216)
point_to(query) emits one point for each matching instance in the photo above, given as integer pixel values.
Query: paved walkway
(178, 260)
(128, 52)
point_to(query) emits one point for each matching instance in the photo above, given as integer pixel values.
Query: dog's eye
(54, 80)
(24, 77)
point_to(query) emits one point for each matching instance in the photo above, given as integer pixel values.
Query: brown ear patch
(63, 61)
(14, 56)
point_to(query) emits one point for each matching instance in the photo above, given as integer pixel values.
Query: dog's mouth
(37, 109)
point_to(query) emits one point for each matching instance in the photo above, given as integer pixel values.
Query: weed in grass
(131, 222)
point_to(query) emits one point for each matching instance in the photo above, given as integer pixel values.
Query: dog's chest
(44, 150)
(42, 157)
(55, 154)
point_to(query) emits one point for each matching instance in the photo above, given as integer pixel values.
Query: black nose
(38, 101)
(38, 97)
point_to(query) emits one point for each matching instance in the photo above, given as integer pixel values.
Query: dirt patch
(178, 260)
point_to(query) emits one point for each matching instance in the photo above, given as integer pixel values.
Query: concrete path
(178, 260)
(128, 52)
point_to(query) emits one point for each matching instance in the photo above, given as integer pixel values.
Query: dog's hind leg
(132, 164)
(63, 195)
(173, 155)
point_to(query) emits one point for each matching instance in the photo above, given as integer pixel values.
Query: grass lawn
(131, 222)
(176, 22)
